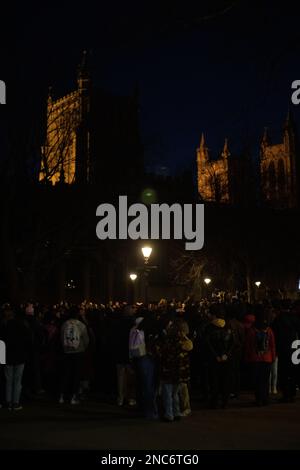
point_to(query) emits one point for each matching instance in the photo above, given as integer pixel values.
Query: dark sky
(221, 67)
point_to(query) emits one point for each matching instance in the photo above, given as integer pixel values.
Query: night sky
(221, 67)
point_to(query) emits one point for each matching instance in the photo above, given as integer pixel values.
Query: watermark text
(2, 92)
(2, 352)
(296, 354)
(155, 222)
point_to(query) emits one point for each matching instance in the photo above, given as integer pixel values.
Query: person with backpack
(260, 352)
(144, 366)
(75, 340)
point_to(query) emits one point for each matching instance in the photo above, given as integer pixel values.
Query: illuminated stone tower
(213, 175)
(278, 169)
(65, 154)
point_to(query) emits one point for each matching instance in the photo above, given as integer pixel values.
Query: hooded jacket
(252, 354)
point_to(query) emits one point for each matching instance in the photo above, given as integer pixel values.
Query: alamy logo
(296, 354)
(157, 221)
(2, 92)
(2, 352)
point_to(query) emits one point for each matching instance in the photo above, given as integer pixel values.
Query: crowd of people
(150, 358)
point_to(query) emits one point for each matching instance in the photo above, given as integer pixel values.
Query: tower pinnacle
(225, 153)
(83, 75)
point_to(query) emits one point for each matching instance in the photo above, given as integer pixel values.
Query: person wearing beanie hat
(249, 320)
(219, 322)
(220, 347)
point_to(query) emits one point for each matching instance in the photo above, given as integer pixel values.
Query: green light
(149, 196)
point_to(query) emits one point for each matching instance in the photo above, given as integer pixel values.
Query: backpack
(71, 339)
(262, 341)
(137, 347)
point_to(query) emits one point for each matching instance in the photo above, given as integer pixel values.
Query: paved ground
(44, 425)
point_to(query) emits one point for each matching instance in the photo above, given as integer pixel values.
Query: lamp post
(257, 296)
(146, 250)
(133, 278)
(207, 281)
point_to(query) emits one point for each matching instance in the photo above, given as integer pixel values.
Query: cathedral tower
(65, 154)
(278, 168)
(213, 175)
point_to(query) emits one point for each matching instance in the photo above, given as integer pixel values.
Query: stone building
(91, 135)
(223, 180)
(279, 169)
(232, 180)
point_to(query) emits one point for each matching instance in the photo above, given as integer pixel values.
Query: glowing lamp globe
(146, 250)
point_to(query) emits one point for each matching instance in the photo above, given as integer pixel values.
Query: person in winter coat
(18, 341)
(260, 352)
(87, 373)
(75, 340)
(32, 373)
(238, 331)
(220, 347)
(125, 373)
(173, 368)
(144, 366)
(184, 365)
(52, 352)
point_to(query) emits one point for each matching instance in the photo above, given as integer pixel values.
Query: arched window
(281, 177)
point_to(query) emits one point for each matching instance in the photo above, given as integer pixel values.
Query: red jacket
(251, 352)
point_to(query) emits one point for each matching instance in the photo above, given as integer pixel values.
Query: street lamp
(207, 281)
(146, 250)
(133, 278)
(257, 283)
